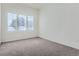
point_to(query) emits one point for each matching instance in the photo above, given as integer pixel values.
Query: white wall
(0, 22)
(60, 23)
(19, 9)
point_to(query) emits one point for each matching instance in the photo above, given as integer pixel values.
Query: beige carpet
(36, 47)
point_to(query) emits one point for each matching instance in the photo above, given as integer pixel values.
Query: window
(21, 23)
(12, 21)
(30, 23)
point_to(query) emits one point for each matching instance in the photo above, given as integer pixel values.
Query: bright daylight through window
(20, 22)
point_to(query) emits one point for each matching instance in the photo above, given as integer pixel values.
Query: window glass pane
(22, 22)
(12, 21)
(30, 23)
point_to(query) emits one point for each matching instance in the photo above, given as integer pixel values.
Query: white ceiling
(44, 5)
(37, 5)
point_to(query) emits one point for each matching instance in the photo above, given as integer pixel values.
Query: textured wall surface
(60, 23)
(0, 22)
(18, 9)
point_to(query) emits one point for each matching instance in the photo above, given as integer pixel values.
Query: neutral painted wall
(0, 22)
(19, 9)
(60, 23)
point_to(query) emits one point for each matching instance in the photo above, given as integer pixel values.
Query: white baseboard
(72, 46)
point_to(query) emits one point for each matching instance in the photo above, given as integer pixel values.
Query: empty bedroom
(39, 29)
